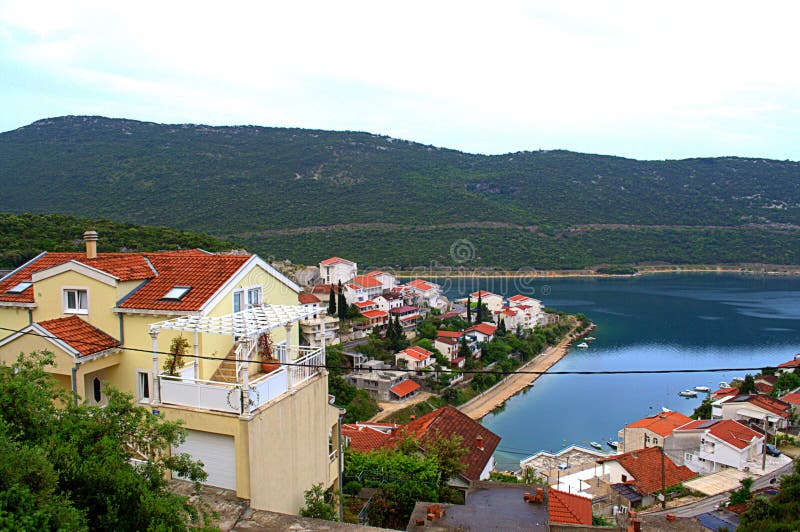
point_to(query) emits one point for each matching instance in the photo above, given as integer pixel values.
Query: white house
(532, 311)
(424, 292)
(483, 332)
(757, 409)
(492, 301)
(368, 285)
(387, 280)
(415, 358)
(706, 446)
(336, 269)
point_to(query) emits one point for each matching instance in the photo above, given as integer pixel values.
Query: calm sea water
(649, 322)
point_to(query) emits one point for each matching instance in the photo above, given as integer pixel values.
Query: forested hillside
(303, 194)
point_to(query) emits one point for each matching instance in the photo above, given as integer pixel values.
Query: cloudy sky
(639, 79)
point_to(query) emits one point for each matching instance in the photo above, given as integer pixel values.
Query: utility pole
(341, 460)
(764, 446)
(663, 483)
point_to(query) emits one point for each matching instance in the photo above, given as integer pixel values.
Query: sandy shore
(513, 384)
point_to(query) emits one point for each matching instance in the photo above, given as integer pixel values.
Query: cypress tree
(501, 327)
(342, 304)
(479, 312)
(469, 310)
(331, 303)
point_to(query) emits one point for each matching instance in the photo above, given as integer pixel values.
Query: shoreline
(493, 398)
(773, 270)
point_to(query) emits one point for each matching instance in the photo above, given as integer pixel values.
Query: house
(336, 270)
(362, 288)
(568, 508)
(364, 437)
(414, 358)
(446, 422)
(111, 318)
(375, 319)
(650, 431)
(532, 310)
(482, 332)
(409, 317)
(492, 301)
(314, 329)
(511, 317)
(757, 410)
(790, 366)
(424, 293)
(793, 399)
(363, 306)
(765, 383)
(637, 475)
(707, 446)
(448, 347)
(378, 380)
(312, 303)
(387, 280)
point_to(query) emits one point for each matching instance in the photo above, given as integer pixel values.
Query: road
(710, 503)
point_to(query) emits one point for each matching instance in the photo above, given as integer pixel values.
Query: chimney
(479, 442)
(412, 417)
(90, 237)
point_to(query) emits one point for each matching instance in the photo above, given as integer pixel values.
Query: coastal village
(333, 383)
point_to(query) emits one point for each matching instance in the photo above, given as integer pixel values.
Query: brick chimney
(479, 442)
(90, 237)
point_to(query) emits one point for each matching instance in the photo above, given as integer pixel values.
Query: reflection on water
(648, 322)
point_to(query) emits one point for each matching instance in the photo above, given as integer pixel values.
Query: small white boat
(595, 445)
(590, 338)
(613, 444)
(688, 393)
(582, 345)
(724, 384)
(702, 388)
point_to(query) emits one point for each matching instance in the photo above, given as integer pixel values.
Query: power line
(409, 370)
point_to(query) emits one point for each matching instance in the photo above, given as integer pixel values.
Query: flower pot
(268, 366)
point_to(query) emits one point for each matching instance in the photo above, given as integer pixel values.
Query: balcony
(238, 397)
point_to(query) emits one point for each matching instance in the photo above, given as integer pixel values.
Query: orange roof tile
(727, 430)
(445, 422)
(366, 281)
(569, 508)
(483, 328)
(645, 467)
(306, 299)
(336, 260)
(372, 314)
(770, 404)
(362, 438)
(482, 294)
(792, 398)
(416, 352)
(404, 388)
(84, 338)
(662, 424)
(367, 303)
(722, 392)
(419, 284)
(791, 364)
(449, 334)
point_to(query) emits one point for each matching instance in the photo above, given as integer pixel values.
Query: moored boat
(613, 444)
(688, 393)
(595, 445)
(582, 345)
(702, 388)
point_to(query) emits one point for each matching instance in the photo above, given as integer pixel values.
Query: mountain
(305, 194)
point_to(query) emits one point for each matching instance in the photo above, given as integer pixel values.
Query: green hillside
(23, 236)
(304, 194)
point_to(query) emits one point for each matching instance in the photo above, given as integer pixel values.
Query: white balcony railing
(227, 397)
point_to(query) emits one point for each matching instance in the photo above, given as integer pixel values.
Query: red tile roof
(306, 299)
(791, 398)
(403, 310)
(366, 281)
(84, 338)
(770, 404)
(644, 466)
(727, 430)
(416, 353)
(723, 392)
(482, 294)
(568, 508)
(336, 260)
(449, 334)
(204, 273)
(445, 422)
(367, 303)
(449, 315)
(519, 297)
(483, 328)
(663, 423)
(363, 438)
(763, 387)
(447, 340)
(419, 284)
(404, 388)
(372, 314)
(791, 364)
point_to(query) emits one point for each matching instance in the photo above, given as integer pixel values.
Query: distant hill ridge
(254, 183)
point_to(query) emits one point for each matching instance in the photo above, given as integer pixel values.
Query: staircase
(226, 372)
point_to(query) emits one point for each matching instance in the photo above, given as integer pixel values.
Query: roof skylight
(20, 287)
(177, 292)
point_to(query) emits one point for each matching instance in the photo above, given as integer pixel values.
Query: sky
(647, 80)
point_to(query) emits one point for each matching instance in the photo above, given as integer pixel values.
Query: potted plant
(174, 362)
(265, 352)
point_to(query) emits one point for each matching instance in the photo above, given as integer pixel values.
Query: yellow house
(111, 317)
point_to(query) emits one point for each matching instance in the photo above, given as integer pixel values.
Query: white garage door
(217, 453)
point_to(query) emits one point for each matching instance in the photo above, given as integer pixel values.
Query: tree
(72, 466)
(319, 505)
(342, 304)
(501, 327)
(479, 311)
(469, 310)
(427, 329)
(786, 382)
(331, 302)
(748, 384)
(703, 411)
(353, 312)
(779, 513)
(463, 349)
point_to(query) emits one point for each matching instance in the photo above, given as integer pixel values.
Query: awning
(251, 322)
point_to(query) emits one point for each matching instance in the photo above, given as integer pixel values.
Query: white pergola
(246, 325)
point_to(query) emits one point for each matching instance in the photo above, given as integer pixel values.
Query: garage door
(217, 453)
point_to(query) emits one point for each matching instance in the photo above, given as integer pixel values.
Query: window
(143, 385)
(624, 478)
(97, 389)
(254, 297)
(177, 292)
(20, 287)
(238, 300)
(655, 441)
(76, 300)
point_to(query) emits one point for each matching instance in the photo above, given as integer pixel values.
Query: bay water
(665, 322)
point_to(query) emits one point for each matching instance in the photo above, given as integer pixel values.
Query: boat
(590, 338)
(612, 444)
(530, 385)
(724, 384)
(582, 345)
(595, 445)
(688, 393)
(702, 388)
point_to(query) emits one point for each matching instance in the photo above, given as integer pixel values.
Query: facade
(111, 317)
(492, 301)
(387, 280)
(313, 330)
(758, 410)
(707, 446)
(424, 293)
(362, 288)
(414, 358)
(650, 431)
(376, 380)
(482, 332)
(335, 270)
